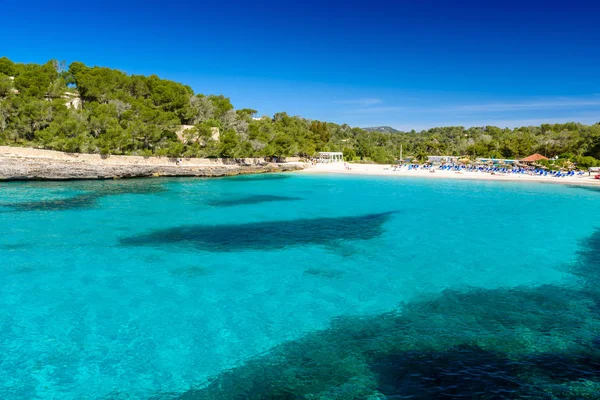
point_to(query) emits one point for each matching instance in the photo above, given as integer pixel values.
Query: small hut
(533, 158)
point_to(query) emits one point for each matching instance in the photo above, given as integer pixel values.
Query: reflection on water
(266, 235)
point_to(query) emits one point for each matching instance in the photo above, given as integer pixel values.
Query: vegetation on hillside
(382, 129)
(134, 114)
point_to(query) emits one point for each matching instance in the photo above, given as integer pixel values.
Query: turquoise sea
(299, 287)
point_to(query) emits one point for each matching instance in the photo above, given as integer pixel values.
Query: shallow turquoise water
(146, 288)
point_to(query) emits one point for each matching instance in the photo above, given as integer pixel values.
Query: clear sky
(406, 63)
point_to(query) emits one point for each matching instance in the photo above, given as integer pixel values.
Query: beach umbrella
(569, 165)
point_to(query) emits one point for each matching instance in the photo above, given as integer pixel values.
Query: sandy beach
(387, 170)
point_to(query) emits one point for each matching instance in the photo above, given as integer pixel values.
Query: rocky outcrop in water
(33, 164)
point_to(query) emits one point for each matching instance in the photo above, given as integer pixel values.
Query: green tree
(7, 67)
(35, 80)
(221, 105)
(6, 86)
(229, 143)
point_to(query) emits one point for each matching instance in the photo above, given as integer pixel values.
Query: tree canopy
(141, 115)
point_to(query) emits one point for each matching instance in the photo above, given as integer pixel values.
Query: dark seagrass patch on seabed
(324, 272)
(88, 199)
(140, 186)
(256, 177)
(248, 200)
(539, 342)
(81, 201)
(23, 270)
(589, 188)
(266, 235)
(536, 343)
(588, 265)
(190, 272)
(15, 246)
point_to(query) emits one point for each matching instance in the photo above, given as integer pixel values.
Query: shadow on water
(509, 343)
(88, 199)
(265, 235)
(257, 199)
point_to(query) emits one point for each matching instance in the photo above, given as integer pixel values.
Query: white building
(330, 157)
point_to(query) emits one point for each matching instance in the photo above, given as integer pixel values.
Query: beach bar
(533, 158)
(330, 157)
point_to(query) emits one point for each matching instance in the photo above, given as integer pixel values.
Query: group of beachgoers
(493, 170)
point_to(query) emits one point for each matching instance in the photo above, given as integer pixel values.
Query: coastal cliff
(18, 163)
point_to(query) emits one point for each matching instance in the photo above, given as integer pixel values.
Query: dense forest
(102, 110)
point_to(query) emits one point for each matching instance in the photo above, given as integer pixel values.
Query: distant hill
(382, 129)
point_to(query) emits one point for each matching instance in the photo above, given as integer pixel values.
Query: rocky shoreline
(18, 163)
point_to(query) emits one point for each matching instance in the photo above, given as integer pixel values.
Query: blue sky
(409, 64)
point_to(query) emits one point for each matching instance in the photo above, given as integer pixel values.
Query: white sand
(387, 170)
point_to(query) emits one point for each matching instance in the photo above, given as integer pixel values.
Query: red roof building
(533, 158)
